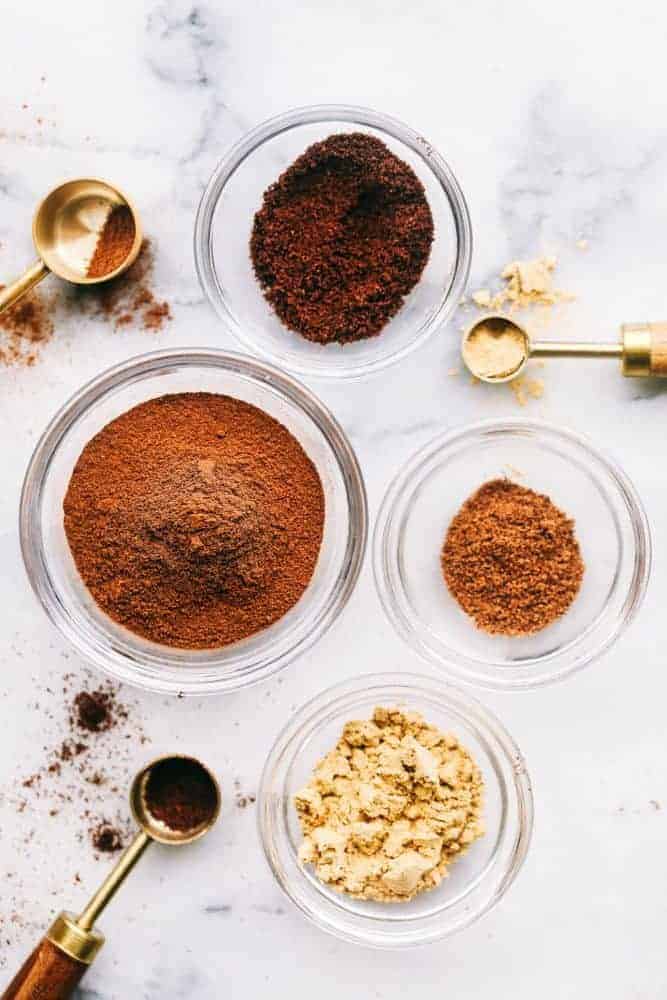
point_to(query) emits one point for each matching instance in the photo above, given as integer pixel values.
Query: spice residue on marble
(128, 301)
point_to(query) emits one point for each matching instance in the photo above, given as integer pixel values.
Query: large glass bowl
(475, 882)
(610, 525)
(67, 601)
(224, 224)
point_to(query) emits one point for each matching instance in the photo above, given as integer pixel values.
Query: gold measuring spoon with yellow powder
(496, 349)
(65, 231)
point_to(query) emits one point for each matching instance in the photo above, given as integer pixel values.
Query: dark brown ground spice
(195, 519)
(114, 242)
(180, 793)
(341, 238)
(95, 711)
(107, 839)
(511, 559)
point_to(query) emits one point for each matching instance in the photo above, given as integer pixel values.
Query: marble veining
(552, 118)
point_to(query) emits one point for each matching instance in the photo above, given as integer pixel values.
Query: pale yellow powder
(527, 283)
(495, 349)
(390, 808)
(526, 388)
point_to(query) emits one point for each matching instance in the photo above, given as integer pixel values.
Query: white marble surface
(553, 118)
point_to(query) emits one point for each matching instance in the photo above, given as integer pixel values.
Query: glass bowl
(475, 882)
(419, 505)
(224, 223)
(68, 603)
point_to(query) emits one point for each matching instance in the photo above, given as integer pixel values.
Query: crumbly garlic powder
(389, 809)
(527, 283)
(494, 350)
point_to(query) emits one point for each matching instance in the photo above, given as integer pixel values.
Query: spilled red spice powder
(128, 300)
(180, 793)
(25, 327)
(342, 237)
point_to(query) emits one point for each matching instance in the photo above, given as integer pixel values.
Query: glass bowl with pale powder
(423, 832)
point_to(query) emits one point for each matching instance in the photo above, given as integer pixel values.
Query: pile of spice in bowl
(394, 810)
(511, 553)
(193, 540)
(344, 258)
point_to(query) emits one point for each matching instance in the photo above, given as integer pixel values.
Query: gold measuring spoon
(65, 230)
(57, 965)
(496, 349)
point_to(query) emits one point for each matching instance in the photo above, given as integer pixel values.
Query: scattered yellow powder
(482, 298)
(527, 283)
(526, 388)
(495, 349)
(388, 810)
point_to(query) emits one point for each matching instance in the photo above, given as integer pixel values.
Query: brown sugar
(114, 242)
(195, 519)
(511, 559)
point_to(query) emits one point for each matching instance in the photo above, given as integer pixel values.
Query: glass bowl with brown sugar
(193, 520)
(511, 553)
(333, 240)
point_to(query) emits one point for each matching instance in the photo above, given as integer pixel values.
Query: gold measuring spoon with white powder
(496, 349)
(65, 231)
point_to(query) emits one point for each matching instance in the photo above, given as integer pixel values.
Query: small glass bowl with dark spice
(333, 240)
(511, 553)
(147, 640)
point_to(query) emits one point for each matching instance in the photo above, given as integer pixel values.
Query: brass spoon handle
(59, 961)
(12, 293)
(558, 349)
(113, 881)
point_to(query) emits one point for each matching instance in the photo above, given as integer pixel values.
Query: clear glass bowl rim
(313, 114)
(171, 678)
(344, 695)
(455, 665)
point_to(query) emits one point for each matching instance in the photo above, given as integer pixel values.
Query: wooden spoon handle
(47, 974)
